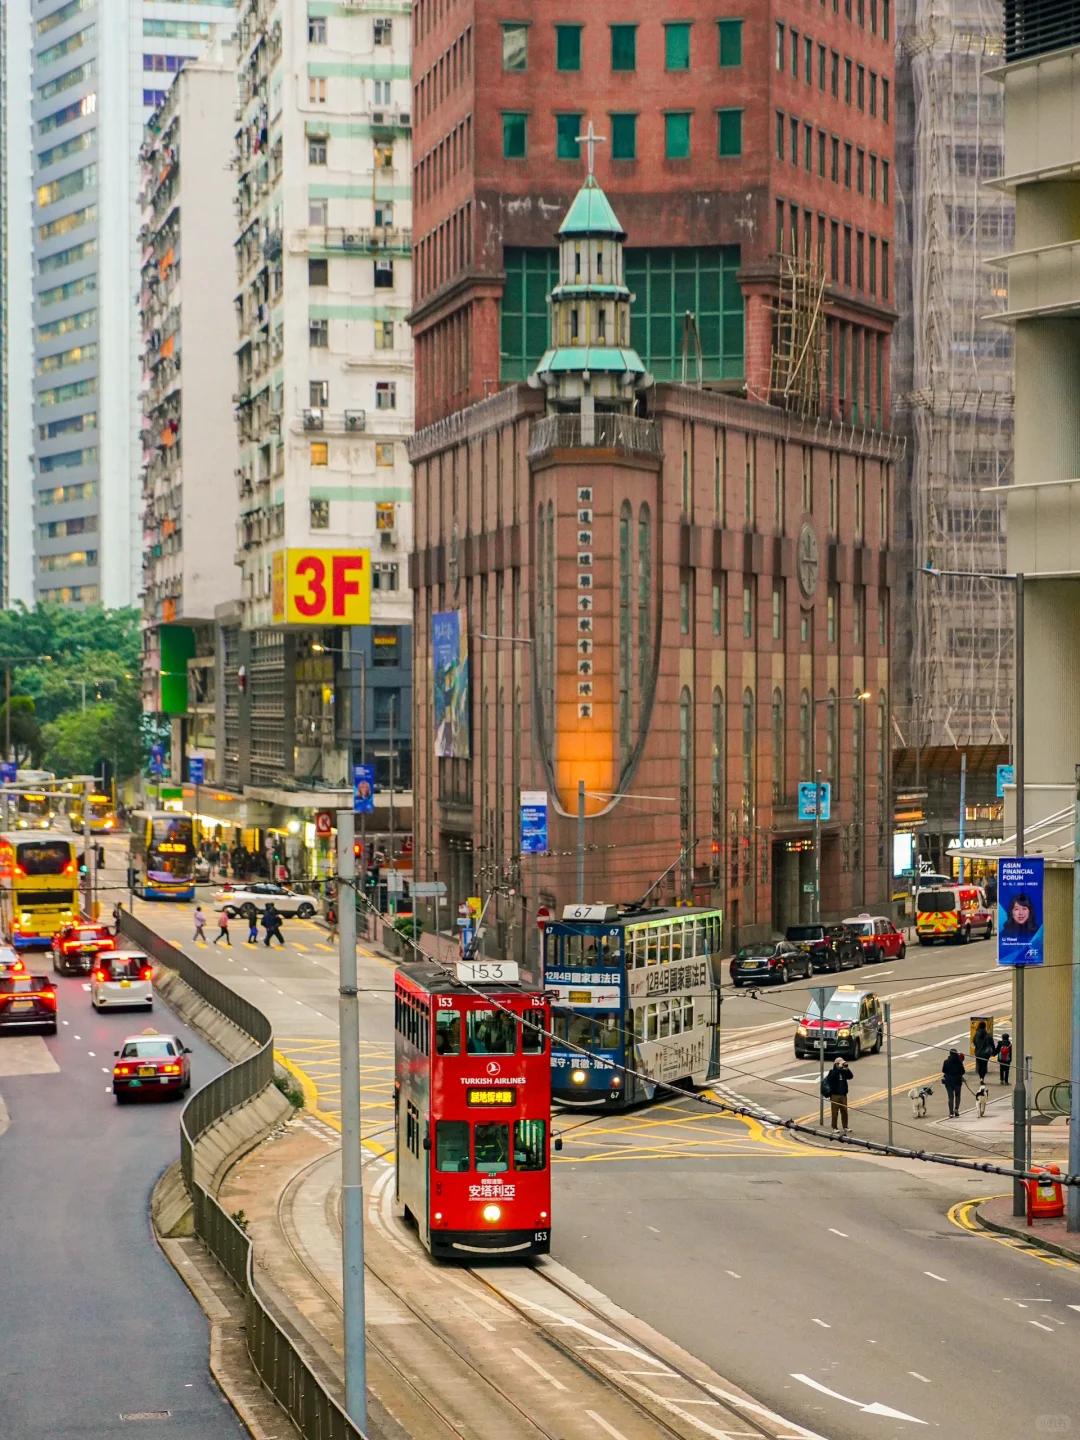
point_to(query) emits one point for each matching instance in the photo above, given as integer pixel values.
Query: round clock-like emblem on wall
(807, 561)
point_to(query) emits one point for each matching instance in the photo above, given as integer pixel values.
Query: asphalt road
(96, 1323)
(834, 1288)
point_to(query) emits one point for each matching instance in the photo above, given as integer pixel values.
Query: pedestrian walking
(836, 1085)
(101, 857)
(200, 925)
(1004, 1058)
(223, 927)
(272, 925)
(253, 926)
(982, 1046)
(952, 1077)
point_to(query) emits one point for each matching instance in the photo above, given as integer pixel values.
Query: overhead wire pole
(1020, 1087)
(352, 1180)
(1072, 1216)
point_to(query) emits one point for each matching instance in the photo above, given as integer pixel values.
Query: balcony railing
(604, 431)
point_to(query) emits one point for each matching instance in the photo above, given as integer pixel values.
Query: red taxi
(27, 1000)
(75, 947)
(151, 1064)
(878, 936)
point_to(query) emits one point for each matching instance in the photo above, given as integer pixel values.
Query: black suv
(831, 947)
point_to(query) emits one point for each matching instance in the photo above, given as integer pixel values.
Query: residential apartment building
(952, 378)
(324, 392)
(189, 442)
(16, 199)
(98, 73)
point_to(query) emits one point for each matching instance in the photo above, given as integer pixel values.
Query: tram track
(435, 1373)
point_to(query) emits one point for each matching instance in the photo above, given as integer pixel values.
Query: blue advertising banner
(8, 772)
(1006, 775)
(534, 834)
(450, 663)
(363, 789)
(157, 758)
(1020, 911)
(808, 799)
(197, 770)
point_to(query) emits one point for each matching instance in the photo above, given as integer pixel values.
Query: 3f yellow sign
(321, 587)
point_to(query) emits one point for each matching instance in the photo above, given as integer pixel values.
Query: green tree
(26, 739)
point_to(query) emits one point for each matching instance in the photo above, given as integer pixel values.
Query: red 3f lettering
(313, 602)
(343, 584)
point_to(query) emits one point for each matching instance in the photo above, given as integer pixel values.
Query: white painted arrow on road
(875, 1409)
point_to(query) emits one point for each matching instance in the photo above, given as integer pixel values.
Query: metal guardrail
(278, 1363)
(1054, 1099)
(610, 431)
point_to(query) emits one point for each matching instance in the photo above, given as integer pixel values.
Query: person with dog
(952, 1077)
(836, 1085)
(1004, 1057)
(982, 1046)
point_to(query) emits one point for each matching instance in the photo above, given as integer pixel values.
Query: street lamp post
(1020, 1085)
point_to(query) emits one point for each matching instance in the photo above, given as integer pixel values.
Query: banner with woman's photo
(1020, 911)
(450, 663)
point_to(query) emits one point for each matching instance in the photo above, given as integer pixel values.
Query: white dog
(917, 1095)
(982, 1095)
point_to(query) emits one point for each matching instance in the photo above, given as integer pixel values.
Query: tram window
(637, 1016)
(579, 1030)
(665, 1019)
(650, 944)
(609, 1031)
(452, 1145)
(490, 1032)
(530, 1145)
(532, 1033)
(412, 1128)
(637, 948)
(492, 1148)
(676, 1017)
(677, 940)
(688, 1012)
(448, 1032)
(651, 1021)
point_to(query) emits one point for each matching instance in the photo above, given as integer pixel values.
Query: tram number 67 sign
(321, 587)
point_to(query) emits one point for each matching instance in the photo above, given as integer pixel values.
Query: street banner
(363, 789)
(1020, 911)
(8, 772)
(1006, 775)
(450, 661)
(808, 799)
(197, 770)
(157, 758)
(534, 834)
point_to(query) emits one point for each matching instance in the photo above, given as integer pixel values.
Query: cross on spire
(591, 140)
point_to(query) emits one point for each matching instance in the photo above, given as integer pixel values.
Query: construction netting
(952, 377)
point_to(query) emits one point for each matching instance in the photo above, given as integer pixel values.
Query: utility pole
(1072, 1193)
(817, 841)
(352, 1180)
(391, 904)
(1020, 1087)
(963, 808)
(581, 842)
(89, 856)
(888, 1061)
(363, 817)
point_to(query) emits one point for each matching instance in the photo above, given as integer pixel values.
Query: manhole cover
(145, 1415)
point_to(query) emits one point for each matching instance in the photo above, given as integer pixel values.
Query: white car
(122, 979)
(247, 900)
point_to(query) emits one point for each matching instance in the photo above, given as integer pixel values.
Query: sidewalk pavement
(996, 1214)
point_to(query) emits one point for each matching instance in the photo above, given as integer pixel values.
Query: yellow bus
(39, 888)
(102, 814)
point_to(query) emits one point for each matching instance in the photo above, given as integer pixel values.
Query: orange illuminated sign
(321, 587)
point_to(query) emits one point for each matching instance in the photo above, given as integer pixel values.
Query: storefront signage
(321, 587)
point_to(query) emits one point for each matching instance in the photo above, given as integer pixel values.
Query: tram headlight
(578, 1077)
(492, 1214)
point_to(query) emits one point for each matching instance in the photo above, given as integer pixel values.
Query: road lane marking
(1074, 1307)
(533, 1364)
(843, 1235)
(736, 1276)
(604, 1425)
(823, 1323)
(1041, 1326)
(936, 1277)
(875, 1408)
(960, 1214)
(91, 1054)
(917, 1376)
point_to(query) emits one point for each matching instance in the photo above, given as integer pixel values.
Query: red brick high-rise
(735, 542)
(732, 132)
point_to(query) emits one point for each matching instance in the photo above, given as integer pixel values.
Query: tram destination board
(492, 1099)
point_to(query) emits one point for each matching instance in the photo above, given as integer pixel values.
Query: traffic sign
(822, 994)
(428, 889)
(324, 822)
(395, 883)
(543, 917)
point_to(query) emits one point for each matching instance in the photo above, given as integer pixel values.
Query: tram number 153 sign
(321, 587)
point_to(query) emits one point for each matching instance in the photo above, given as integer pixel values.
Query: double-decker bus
(101, 813)
(161, 853)
(634, 988)
(472, 1101)
(34, 810)
(38, 888)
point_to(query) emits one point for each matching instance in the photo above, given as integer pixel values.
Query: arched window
(626, 625)
(717, 784)
(806, 747)
(644, 637)
(831, 745)
(748, 750)
(777, 747)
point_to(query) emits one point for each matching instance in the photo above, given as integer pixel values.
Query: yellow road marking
(961, 1215)
(311, 1103)
(320, 946)
(900, 1089)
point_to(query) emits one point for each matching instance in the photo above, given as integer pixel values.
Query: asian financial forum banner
(450, 661)
(534, 822)
(1021, 933)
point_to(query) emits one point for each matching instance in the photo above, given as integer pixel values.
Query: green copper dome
(591, 214)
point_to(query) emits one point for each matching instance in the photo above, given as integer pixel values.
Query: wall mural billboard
(450, 659)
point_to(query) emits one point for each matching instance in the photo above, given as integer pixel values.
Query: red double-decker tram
(473, 1109)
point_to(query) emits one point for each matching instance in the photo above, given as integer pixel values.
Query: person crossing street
(223, 927)
(200, 925)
